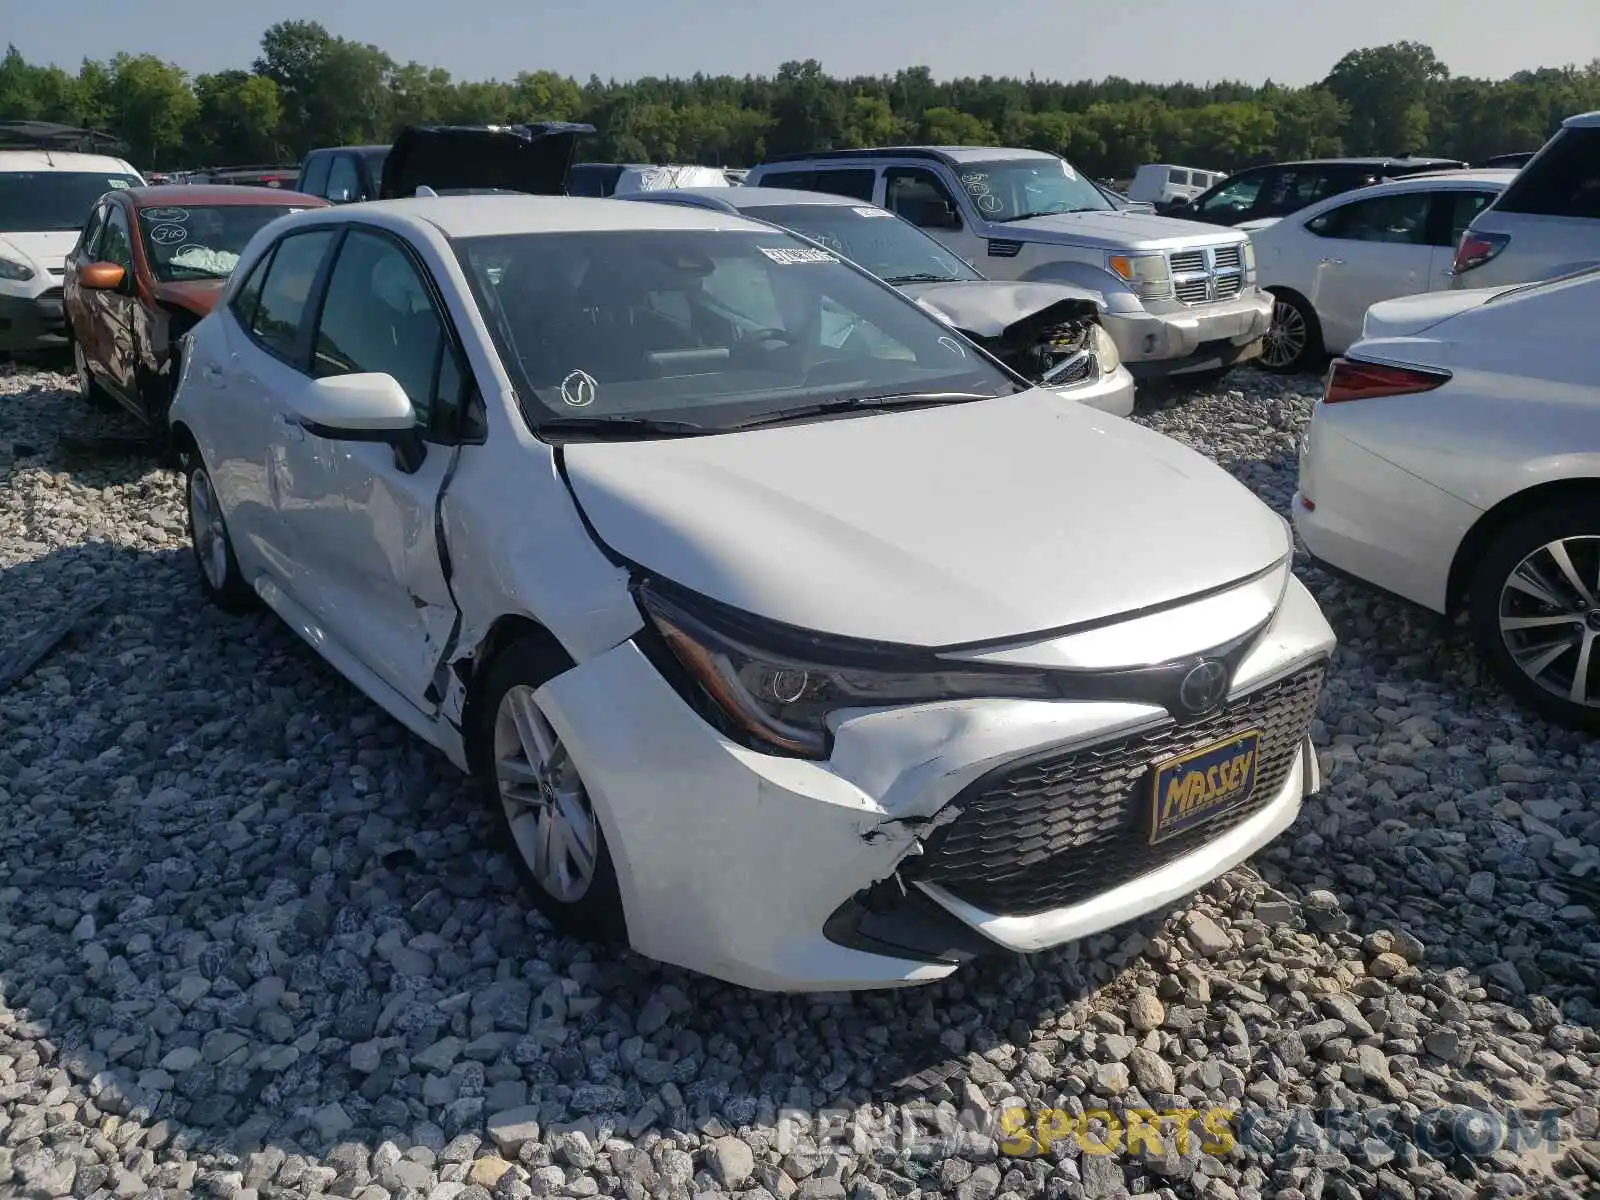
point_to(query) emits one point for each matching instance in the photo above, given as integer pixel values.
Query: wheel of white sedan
(1535, 607)
(1294, 338)
(540, 801)
(220, 578)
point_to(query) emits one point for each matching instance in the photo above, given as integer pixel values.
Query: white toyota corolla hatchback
(793, 639)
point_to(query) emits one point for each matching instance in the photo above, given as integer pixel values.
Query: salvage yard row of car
(691, 517)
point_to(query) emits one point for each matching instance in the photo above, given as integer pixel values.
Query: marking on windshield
(162, 216)
(579, 389)
(955, 347)
(169, 235)
(118, 184)
(787, 257)
(989, 202)
(871, 212)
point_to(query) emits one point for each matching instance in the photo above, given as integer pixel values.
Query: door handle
(290, 431)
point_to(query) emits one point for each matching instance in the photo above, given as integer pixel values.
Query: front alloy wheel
(220, 577)
(1536, 608)
(89, 389)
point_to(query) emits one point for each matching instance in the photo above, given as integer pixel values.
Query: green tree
(150, 105)
(335, 92)
(951, 127)
(236, 120)
(1386, 90)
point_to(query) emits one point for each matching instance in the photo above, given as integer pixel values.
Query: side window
(1181, 178)
(801, 180)
(918, 195)
(1237, 198)
(856, 182)
(1399, 219)
(344, 181)
(316, 177)
(1289, 191)
(285, 291)
(248, 295)
(379, 316)
(1460, 209)
(116, 243)
(1564, 181)
(91, 233)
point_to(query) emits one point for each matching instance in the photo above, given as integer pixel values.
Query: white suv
(45, 197)
(1546, 223)
(1179, 297)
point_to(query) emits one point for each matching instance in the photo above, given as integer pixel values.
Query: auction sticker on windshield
(872, 212)
(1193, 788)
(790, 257)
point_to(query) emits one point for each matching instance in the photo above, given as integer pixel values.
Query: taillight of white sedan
(1455, 461)
(790, 637)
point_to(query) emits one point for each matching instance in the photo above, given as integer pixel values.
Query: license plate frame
(1200, 796)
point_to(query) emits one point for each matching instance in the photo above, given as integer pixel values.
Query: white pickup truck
(1179, 296)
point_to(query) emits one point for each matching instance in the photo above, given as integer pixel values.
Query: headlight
(1105, 350)
(775, 686)
(15, 271)
(1249, 260)
(1139, 268)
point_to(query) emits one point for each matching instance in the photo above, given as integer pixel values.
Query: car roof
(952, 154)
(369, 149)
(183, 195)
(1464, 178)
(488, 216)
(757, 197)
(1583, 121)
(62, 160)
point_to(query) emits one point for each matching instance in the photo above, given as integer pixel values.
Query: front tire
(542, 808)
(90, 390)
(220, 578)
(1294, 339)
(1534, 606)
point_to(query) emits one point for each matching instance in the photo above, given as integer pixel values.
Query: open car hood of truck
(532, 159)
(986, 308)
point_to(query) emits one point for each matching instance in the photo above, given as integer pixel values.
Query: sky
(1148, 40)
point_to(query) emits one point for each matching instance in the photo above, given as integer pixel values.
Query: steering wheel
(769, 335)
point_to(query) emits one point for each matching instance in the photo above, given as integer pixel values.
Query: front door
(113, 353)
(921, 197)
(1371, 250)
(359, 521)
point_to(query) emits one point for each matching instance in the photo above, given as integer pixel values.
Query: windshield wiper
(1054, 212)
(861, 404)
(623, 427)
(919, 277)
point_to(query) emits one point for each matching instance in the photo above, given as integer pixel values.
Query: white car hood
(41, 250)
(1115, 230)
(988, 307)
(1408, 316)
(930, 527)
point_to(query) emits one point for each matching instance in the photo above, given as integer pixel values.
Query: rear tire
(542, 808)
(1536, 621)
(1294, 339)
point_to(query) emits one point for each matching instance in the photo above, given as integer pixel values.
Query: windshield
(1015, 189)
(51, 201)
(713, 328)
(202, 241)
(894, 250)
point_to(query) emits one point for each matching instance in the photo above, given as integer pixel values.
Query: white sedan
(1455, 461)
(805, 662)
(1327, 264)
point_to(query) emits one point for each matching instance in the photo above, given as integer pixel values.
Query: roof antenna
(425, 190)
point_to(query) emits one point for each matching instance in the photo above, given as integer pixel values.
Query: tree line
(308, 88)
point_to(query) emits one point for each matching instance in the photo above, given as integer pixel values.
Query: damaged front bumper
(1193, 339)
(794, 875)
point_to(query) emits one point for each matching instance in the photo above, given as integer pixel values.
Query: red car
(149, 264)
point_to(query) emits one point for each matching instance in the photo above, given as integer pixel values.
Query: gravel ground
(252, 945)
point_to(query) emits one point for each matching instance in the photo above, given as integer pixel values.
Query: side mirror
(101, 276)
(366, 407)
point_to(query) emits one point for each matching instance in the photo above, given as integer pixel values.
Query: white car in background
(804, 665)
(45, 198)
(1455, 461)
(1327, 264)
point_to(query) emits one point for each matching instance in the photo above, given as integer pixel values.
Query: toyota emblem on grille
(1203, 687)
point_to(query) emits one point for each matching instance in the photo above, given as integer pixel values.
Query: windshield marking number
(169, 235)
(579, 389)
(787, 257)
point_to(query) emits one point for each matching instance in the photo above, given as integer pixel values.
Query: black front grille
(49, 294)
(1061, 827)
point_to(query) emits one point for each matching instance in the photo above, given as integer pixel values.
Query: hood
(1408, 316)
(930, 527)
(43, 250)
(985, 308)
(519, 158)
(199, 296)
(1119, 229)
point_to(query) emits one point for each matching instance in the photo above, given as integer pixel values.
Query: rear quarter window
(1563, 182)
(855, 182)
(314, 179)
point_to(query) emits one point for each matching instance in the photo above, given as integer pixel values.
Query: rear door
(1374, 248)
(359, 517)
